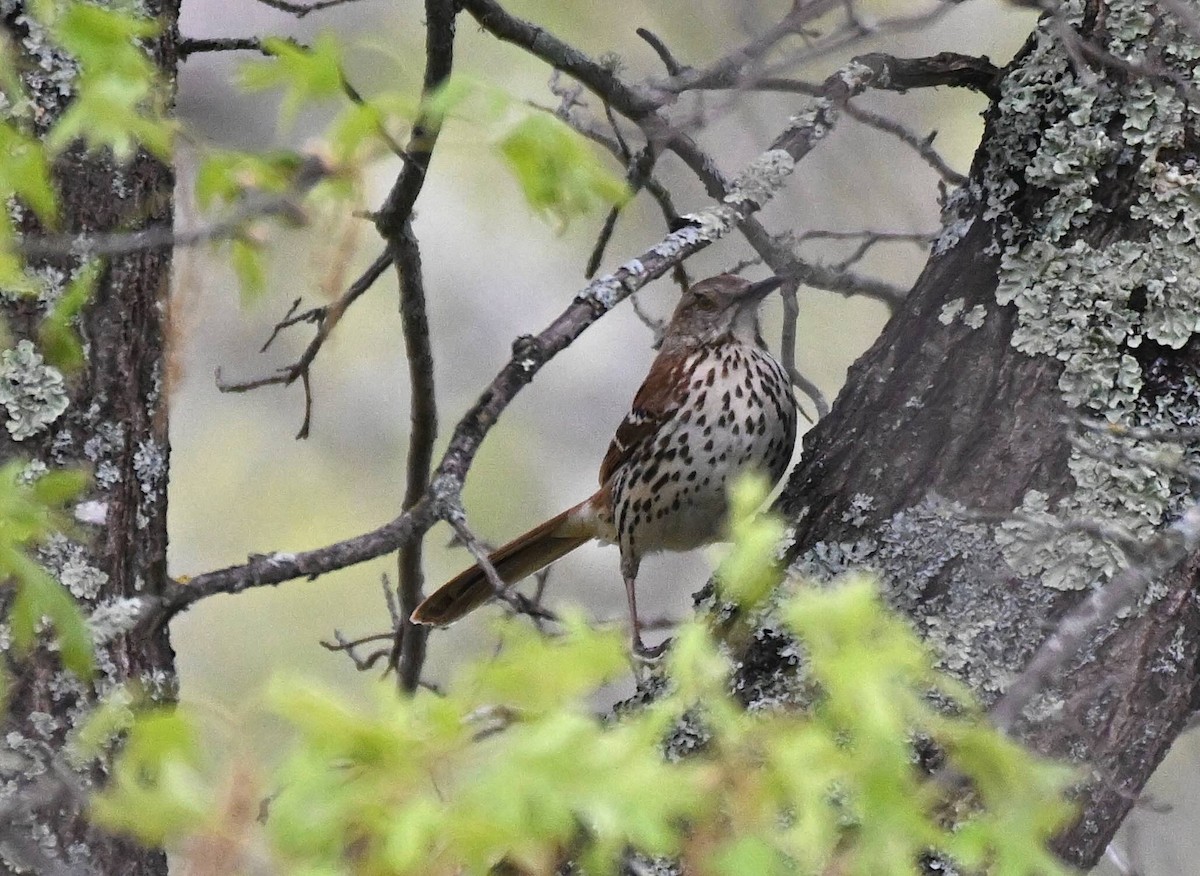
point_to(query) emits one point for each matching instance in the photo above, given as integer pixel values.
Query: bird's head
(716, 307)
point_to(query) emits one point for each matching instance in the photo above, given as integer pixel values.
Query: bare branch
(632, 101)
(255, 205)
(188, 47)
(271, 569)
(730, 70)
(923, 146)
(637, 174)
(674, 68)
(787, 351)
(326, 318)
(394, 222)
(920, 237)
(299, 9)
(779, 257)
(350, 647)
(409, 649)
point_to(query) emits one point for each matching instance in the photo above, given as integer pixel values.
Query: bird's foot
(649, 655)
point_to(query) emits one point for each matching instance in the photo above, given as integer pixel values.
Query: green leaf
(584, 659)
(248, 263)
(750, 854)
(359, 128)
(750, 571)
(120, 98)
(29, 514)
(40, 596)
(58, 487)
(104, 724)
(558, 171)
(57, 337)
(225, 176)
(453, 94)
(305, 74)
(157, 790)
(25, 173)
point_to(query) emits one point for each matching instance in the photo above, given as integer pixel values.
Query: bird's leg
(629, 570)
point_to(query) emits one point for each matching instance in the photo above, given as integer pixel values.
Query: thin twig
(349, 648)
(674, 68)
(923, 146)
(503, 591)
(188, 47)
(384, 134)
(255, 205)
(300, 9)
(326, 318)
(787, 352)
(1180, 435)
(637, 174)
(658, 327)
(733, 66)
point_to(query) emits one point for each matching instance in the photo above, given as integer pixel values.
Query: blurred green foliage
(30, 513)
(510, 765)
(557, 170)
(120, 99)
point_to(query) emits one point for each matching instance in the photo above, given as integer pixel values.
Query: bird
(714, 405)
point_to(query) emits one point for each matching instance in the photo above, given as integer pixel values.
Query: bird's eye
(705, 303)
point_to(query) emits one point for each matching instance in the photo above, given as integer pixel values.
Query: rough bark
(1054, 292)
(115, 426)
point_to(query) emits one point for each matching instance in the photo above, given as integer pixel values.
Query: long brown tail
(518, 559)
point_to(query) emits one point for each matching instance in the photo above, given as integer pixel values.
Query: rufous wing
(654, 406)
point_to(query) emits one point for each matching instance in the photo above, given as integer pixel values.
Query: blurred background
(241, 484)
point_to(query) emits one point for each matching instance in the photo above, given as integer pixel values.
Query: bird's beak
(760, 290)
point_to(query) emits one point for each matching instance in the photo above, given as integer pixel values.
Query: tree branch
(409, 648)
(257, 204)
(299, 9)
(187, 47)
(326, 318)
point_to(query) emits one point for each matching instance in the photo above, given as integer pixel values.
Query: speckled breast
(738, 416)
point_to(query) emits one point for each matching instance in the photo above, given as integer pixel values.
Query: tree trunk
(1064, 285)
(115, 425)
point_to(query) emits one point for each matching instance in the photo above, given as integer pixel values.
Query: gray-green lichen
(31, 391)
(954, 310)
(50, 79)
(762, 178)
(115, 617)
(950, 310)
(947, 573)
(68, 562)
(1090, 301)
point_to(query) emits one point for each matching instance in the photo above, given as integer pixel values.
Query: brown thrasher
(714, 405)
